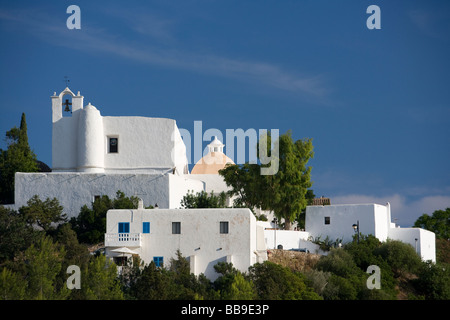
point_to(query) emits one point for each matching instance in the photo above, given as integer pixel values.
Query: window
(145, 227)
(327, 220)
(97, 197)
(159, 261)
(223, 226)
(113, 145)
(124, 227)
(176, 227)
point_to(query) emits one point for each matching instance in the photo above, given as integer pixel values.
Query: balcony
(123, 239)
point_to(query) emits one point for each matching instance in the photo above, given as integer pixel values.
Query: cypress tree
(23, 135)
(17, 158)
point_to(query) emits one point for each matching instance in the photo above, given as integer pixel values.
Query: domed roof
(90, 107)
(214, 161)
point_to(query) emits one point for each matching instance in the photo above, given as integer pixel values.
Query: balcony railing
(122, 239)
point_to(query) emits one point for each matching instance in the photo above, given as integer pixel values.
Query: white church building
(95, 155)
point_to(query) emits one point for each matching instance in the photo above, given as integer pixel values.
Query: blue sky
(375, 102)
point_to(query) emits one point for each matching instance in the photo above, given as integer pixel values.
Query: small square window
(113, 145)
(176, 227)
(145, 227)
(223, 227)
(159, 261)
(327, 220)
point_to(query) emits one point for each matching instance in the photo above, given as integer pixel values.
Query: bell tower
(64, 131)
(58, 103)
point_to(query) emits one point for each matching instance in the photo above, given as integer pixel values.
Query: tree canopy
(438, 222)
(44, 214)
(284, 192)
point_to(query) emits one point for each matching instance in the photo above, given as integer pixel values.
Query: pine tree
(99, 281)
(43, 213)
(43, 262)
(12, 285)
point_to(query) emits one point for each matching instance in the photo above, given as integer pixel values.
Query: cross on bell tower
(66, 80)
(67, 103)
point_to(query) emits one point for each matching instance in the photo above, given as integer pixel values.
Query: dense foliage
(204, 200)
(34, 257)
(90, 224)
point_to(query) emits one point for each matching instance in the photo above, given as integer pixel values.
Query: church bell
(67, 104)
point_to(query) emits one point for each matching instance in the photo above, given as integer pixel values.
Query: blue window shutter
(145, 227)
(124, 227)
(159, 261)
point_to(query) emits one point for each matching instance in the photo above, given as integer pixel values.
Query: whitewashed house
(343, 221)
(339, 223)
(204, 236)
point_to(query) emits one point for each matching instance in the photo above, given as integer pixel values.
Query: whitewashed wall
(143, 143)
(425, 245)
(90, 143)
(73, 190)
(64, 144)
(289, 239)
(180, 186)
(178, 153)
(213, 182)
(342, 217)
(382, 220)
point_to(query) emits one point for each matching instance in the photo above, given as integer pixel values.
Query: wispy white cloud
(95, 40)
